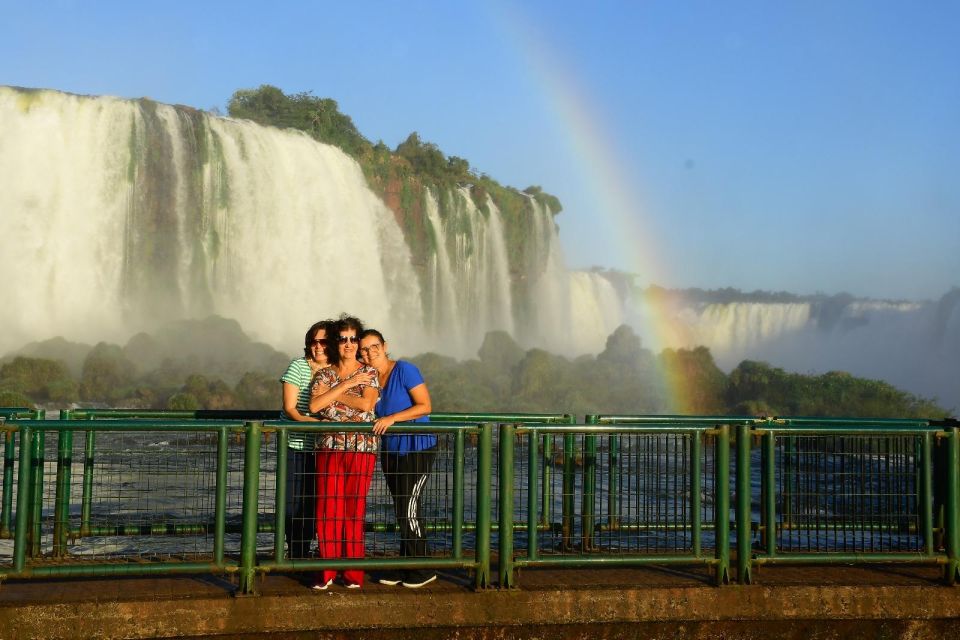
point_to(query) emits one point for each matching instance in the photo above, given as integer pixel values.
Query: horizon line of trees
(625, 378)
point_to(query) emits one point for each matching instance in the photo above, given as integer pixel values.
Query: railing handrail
(749, 431)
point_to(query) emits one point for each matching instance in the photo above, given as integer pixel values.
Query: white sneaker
(320, 586)
(353, 585)
(419, 581)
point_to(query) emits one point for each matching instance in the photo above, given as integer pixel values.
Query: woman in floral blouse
(344, 392)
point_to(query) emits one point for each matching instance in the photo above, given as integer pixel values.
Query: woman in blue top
(406, 459)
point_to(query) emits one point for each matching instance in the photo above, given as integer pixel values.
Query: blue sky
(801, 146)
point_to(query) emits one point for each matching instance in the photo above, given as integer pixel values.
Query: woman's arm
(291, 393)
(420, 397)
(323, 396)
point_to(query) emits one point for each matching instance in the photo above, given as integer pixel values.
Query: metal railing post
(589, 498)
(743, 504)
(251, 485)
(768, 492)
(506, 488)
(546, 489)
(721, 501)
(9, 457)
(484, 486)
(61, 509)
(220, 513)
(952, 506)
(86, 501)
(926, 493)
(566, 517)
(280, 496)
(36, 499)
(24, 499)
(613, 473)
(696, 487)
(533, 473)
(459, 489)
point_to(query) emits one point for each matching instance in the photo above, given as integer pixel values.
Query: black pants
(406, 476)
(301, 524)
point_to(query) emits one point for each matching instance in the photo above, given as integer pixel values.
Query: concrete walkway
(836, 602)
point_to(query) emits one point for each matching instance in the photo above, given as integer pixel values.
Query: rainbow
(601, 164)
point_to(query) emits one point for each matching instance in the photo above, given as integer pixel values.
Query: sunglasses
(320, 341)
(346, 339)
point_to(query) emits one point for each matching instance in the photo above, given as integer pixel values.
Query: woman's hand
(382, 424)
(359, 378)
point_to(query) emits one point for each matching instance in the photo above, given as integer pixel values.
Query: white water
(913, 345)
(296, 235)
(118, 216)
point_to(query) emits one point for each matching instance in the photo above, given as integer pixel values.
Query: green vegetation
(212, 364)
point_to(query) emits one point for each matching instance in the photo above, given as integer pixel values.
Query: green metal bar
(926, 492)
(743, 504)
(459, 491)
(533, 473)
(613, 561)
(789, 479)
(36, 499)
(114, 569)
(86, 501)
(280, 498)
(952, 507)
(61, 509)
(696, 488)
(220, 512)
(251, 483)
(366, 564)
(566, 517)
(613, 475)
(850, 558)
(6, 512)
(24, 496)
(721, 501)
(484, 482)
(546, 489)
(589, 498)
(506, 488)
(768, 490)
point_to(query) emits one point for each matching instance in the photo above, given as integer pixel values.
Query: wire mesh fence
(149, 493)
(616, 493)
(849, 493)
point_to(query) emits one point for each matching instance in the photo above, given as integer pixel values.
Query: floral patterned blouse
(339, 412)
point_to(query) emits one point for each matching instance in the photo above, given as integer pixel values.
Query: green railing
(848, 491)
(639, 487)
(115, 492)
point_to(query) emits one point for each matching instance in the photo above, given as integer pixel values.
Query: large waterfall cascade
(118, 216)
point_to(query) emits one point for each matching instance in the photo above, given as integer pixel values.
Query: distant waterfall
(117, 216)
(913, 345)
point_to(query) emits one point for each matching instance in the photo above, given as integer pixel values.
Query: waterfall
(913, 345)
(118, 216)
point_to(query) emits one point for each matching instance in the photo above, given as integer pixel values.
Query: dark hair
(345, 323)
(329, 327)
(308, 338)
(373, 332)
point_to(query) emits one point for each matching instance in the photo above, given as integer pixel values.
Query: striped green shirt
(299, 375)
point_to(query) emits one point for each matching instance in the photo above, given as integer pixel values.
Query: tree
(320, 117)
(39, 378)
(107, 374)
